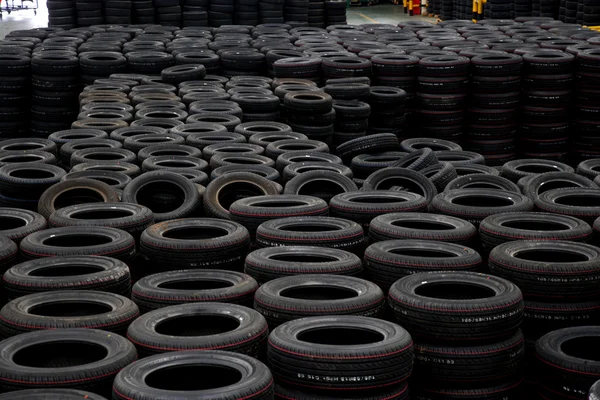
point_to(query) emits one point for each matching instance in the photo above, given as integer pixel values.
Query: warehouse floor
(26, 19)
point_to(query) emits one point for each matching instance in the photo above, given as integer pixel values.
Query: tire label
(335, 379)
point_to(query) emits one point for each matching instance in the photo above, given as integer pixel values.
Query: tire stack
(583, 143)
(462, 9)
(570, 12)
(296, 11)
(446, 10)
(271, 11)
(117, 12)
(498, 9)
(546, 9)
(316, 13)
(221, 12)
(335, 12)
(167, 12)
(15, 93)
(451, 355)
(521, 8)
(310, 113)
(548, 90)
(89, 12)
(55, 87)
(590, 13)
(62, 14)
(142, 12)
(549, 305)
(493, 114)
(440, 101)
(246, 12)
(388, 110)
(351, 120)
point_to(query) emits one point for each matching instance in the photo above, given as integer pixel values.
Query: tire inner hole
(340, 336)
(79, 240)
(8, 223)
(195, 233)
(72, 308)
(77, 196)
(195, 284)
(302, 258)
(423, 225)
(584, 347)
(406, 185)
(537, 169)
(61, 354)
(101, 214)
(550, 255)
(197, 325)
(529, 225)
(454, 291)
(482, 201)
(424, 253)
(193, 377)
(160, 197)
(578, 200)
(65, 270)
(236, 191)
(319, 292)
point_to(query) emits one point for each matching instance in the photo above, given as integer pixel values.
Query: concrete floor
(27, 19)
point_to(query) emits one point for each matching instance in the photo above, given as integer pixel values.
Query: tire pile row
(230, 235)
(69, 14)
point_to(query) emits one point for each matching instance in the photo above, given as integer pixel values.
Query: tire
(67, 273)
(288, 355)
(73, 192)
(72, 241)
(115, 180)
(173, 164)
(312, 183)
(67, 150)
(8, 253)
(64, 347)
(468, 169)
(452, 365)
(138, 142)
(541, 183)
(17, 224)
(157, 190)
(132, 218)
(253, 211)
(412, 145)
(560, 360)
(193, 286)
(482, 181)
(172, 150)
(29, 144)
(588, 168)
(476, 204)
(401, 179)
(540, 318)
(128, 169)
(330, 232)
(390, 260)
(363, 206)
(501, 228)
(369, 144)
(195, 243)
(308, 101)
(576, 202)
(300, 156)
(510, 390)
(202, 140)
(293, 297)
(276, 262)
(440, 174)
(231, 376)
(11, 157)
(569, 277)
(517, 169)
(364, 165)
(65, 309)
(493, 310)
(295, 169)
(248, 129)
(200, 326)
(417, 160)
(274, 149)
(24, 192)
(455, 157)
(45, 394)
(398, 392)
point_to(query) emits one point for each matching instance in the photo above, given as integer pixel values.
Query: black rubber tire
(200, 326)
(238, 149)
(482, 181)
(417, 160)
(363, 206)
(163, 201)
(567, 278)
(589, 168)
(509, 390)
(67, 273)
(275, 149)
(541, 317)
(29, 144)
(45, 394)
(8, 253)
(67, 150)
(275, 262)
(566, 370)
(174, 164)
(401, 179)
(412, 145)
(316, 295)
(138, 142)
(295, 169)
(253, 211)
(82, 191)
(11, 157)
(541, 183)
(301, 156)
(326, 184)
(221, 192)
(330, 232)
(582, 204)
(128, 169)
(446, 366)
(468, 169)
(94, 371)
(441, 228)
(500, 228)
(308, 101)
(25, 192)
(65, 309)
(116, 180)
(517, 169)
(170, 252)
(364, 165)
(475, 317)
(122, 134)
(386, 363)
(253, 379)
(173, 150)
(201, 140)
(456, 203)
(17, 223)
(387, 261)
(132, 218)
(368, 144)
(192, 286)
